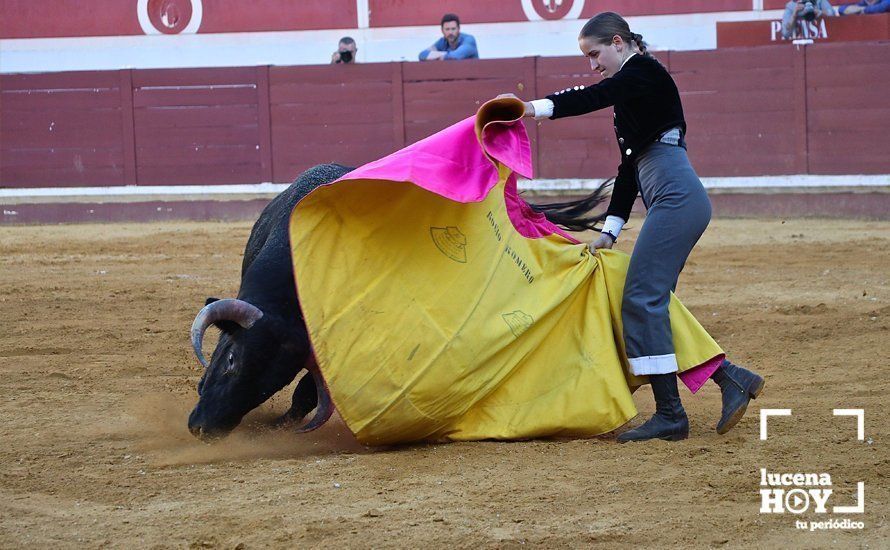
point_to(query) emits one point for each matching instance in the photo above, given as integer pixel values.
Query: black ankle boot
(670, 421)
(738, 387)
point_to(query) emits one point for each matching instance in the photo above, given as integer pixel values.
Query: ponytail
(638, 40)
(576, 215)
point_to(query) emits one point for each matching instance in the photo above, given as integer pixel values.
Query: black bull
(264, 342)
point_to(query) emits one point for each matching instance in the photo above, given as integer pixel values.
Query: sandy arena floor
(98, 378)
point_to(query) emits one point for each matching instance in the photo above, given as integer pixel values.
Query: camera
(809, 10)
(345, 56)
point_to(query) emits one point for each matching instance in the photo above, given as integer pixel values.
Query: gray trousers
(678, 213)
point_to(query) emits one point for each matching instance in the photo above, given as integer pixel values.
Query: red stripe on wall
(777, 4)
(401, 13)
(663, 7)
(397, 13)
(72, 18)
(278, 15)
(59, 18)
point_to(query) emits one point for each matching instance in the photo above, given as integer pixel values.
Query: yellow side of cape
(434, 319)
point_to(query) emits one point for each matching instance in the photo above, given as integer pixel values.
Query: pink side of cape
(696, 377)
(451, 164)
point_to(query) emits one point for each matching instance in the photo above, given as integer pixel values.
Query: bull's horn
(230, 309)
(325, 407)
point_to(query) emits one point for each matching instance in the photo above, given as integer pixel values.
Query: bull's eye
(231, 366)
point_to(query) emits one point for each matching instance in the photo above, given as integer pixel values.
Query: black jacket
(647, 104)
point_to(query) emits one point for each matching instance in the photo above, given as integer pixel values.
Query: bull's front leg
(304, 400)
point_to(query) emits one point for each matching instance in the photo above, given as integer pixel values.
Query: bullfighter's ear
(209, 301)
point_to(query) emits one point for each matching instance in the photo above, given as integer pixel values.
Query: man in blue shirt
(866, 7)
(453, 44)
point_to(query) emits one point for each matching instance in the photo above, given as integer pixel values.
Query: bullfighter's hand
(529, 108)
(603, 241)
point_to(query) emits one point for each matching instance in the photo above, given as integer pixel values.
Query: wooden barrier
(744, 110)
(349, 114)
(194, 127)
(63, 129)
(847, 109)
(769, 110)
(577, 145)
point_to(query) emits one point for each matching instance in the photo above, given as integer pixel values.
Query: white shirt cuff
(653, 364)
(613, 225)
(543, 108)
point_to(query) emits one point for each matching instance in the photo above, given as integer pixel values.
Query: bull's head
(253, 359)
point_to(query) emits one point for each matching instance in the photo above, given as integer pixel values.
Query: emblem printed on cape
(451, 242)
(518, 321)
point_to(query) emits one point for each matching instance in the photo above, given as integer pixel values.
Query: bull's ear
(227, 326)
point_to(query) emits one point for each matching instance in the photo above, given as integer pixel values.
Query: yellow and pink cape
(441, 306)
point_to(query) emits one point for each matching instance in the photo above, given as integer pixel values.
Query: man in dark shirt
(453, 44)
(346, 51)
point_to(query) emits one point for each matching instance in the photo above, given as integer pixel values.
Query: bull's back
(270, 230)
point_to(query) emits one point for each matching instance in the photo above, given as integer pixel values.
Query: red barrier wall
(63, 129)
(435, 99)
(576, 145)
(751, 111)
(349, 114)
(848, 112)
(192, 127)
(744, 110)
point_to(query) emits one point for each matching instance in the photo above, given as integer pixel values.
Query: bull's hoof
(289, 420)
(207, 436)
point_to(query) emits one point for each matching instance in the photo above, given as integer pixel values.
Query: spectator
(807, 10)
(345, 51)
(453, 44)
(865, 6)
